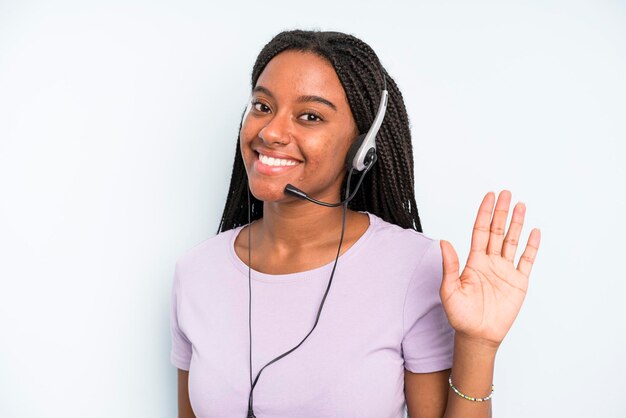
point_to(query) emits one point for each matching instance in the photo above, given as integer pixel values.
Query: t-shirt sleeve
(428, 340)
(180, 355)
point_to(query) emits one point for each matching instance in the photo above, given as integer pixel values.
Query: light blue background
(118, 123)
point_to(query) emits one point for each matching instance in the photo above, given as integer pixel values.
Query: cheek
(328, 157)
(246, 136)
(245, 133)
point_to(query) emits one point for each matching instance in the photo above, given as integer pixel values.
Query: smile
(275, 162)
(270, 166)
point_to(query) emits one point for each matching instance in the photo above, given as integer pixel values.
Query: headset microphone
(294, 191)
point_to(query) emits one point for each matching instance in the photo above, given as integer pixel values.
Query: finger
(527, 259)
(450, 265)
(498, 223)
(512, 236)
(480, 234)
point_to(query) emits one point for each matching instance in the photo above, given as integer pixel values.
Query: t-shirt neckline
(312, 273)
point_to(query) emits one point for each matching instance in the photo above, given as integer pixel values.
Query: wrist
(475, 346)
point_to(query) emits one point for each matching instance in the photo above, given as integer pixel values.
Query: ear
(354, 148)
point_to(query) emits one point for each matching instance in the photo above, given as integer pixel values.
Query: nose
(277, 130)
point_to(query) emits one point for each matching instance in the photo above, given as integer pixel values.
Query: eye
(260, 107)
(310, 117)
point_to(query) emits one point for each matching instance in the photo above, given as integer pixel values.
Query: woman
(257, 329)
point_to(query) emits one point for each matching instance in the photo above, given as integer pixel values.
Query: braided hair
(388, 189)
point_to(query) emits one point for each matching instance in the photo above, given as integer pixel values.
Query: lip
(271, 170)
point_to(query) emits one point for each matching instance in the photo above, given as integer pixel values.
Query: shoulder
(391, 238)
(211, 251)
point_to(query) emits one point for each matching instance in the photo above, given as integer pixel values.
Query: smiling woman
(257, 329)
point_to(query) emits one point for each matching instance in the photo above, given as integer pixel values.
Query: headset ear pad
(354, 148)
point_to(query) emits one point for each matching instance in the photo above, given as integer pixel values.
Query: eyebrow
(302, 99)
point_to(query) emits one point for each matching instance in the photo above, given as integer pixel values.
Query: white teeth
(276, 162)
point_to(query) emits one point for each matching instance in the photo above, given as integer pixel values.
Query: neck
(299, 225)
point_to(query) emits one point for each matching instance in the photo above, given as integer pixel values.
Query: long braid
(388, 190)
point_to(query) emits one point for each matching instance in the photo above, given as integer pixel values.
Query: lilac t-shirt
(382, 315)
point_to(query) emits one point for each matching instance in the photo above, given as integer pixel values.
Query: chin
(269, 194)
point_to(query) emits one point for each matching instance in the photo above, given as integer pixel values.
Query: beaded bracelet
(469, 398)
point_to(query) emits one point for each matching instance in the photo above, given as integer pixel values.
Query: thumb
(450, 265)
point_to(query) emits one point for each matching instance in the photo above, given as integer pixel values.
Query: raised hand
(484, 300)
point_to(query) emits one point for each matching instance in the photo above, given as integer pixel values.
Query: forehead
(302, 73)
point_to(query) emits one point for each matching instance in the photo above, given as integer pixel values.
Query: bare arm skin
(428, 395)
(184, 405)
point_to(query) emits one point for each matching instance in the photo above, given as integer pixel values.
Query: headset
(360, 157)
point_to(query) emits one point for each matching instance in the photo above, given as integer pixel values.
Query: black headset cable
(343, 224)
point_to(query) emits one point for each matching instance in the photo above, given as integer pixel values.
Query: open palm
(484, 300)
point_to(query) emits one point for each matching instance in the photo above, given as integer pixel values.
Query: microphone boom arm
(294, 191)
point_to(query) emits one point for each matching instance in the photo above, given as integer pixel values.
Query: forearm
(472, 375)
